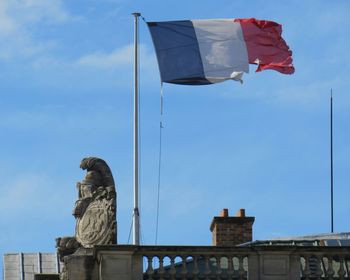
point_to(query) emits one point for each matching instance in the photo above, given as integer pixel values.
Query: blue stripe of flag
(178, 52)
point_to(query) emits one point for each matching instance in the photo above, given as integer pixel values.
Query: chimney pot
(240, 213)
(224, 212)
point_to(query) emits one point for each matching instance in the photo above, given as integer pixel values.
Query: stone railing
(325, 263)
(124, 262)
(195, 263)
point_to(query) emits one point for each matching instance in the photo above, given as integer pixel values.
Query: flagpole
(136, 212)
(331, 132)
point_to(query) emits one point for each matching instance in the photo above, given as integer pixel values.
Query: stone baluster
(149, 270)
(306, 272)
(235, 267)
(172, 271)
(330, 271)
(207, 271)
(184, 268)
(241, 272)
(161, 270)
(341, 271)
(195, 271)
(302, 269)
(319, 271)
(218, 267)
(230, 270)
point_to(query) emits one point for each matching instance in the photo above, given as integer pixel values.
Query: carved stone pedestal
(80, 266)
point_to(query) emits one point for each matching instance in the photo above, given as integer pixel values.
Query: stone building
(233, 255)
(92, 253)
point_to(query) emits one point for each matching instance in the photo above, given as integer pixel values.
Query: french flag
(201, 52)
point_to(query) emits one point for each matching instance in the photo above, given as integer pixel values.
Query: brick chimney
(231, 231)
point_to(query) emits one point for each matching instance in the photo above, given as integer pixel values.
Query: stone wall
(25, 265)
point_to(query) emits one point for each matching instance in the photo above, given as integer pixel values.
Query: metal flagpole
(331, 132)
(136, 212)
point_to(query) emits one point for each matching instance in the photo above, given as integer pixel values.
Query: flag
(201, 52)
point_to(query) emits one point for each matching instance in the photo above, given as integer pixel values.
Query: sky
(66, 92)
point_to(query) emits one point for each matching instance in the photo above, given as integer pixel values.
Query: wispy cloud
(17, 18)
(16, 194)
(59, 120)
(8, 24)
(16, 14)
(122, 56)
(118, 57)
(191, 200)
(309, 94)
(29, 11)
(28, 191)
(119, 60)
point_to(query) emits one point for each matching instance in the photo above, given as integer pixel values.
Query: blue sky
(66, 93)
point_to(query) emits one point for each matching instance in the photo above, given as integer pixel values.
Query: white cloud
(120, 59)
(39, 10)
(17, 17)
(7, 24)
(17, 193)
(123, 56)
(302, 91)
(59, 120)
(308, 94)
(192, 199)
(15, 14)
(28, 192)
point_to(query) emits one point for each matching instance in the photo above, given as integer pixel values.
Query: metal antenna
(136, 212)
(331, 132)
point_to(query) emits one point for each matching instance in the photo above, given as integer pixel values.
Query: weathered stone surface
(95, 213)
(16, 265)
(97, 225)
(65, 246)
(80, 266)
(95, 209)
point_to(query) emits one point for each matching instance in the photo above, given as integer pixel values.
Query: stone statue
(95, 211)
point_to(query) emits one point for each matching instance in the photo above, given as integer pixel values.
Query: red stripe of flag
(265, 45)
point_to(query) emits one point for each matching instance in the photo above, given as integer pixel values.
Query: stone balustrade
(327, 263)
(195, 263)
(124, 262)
